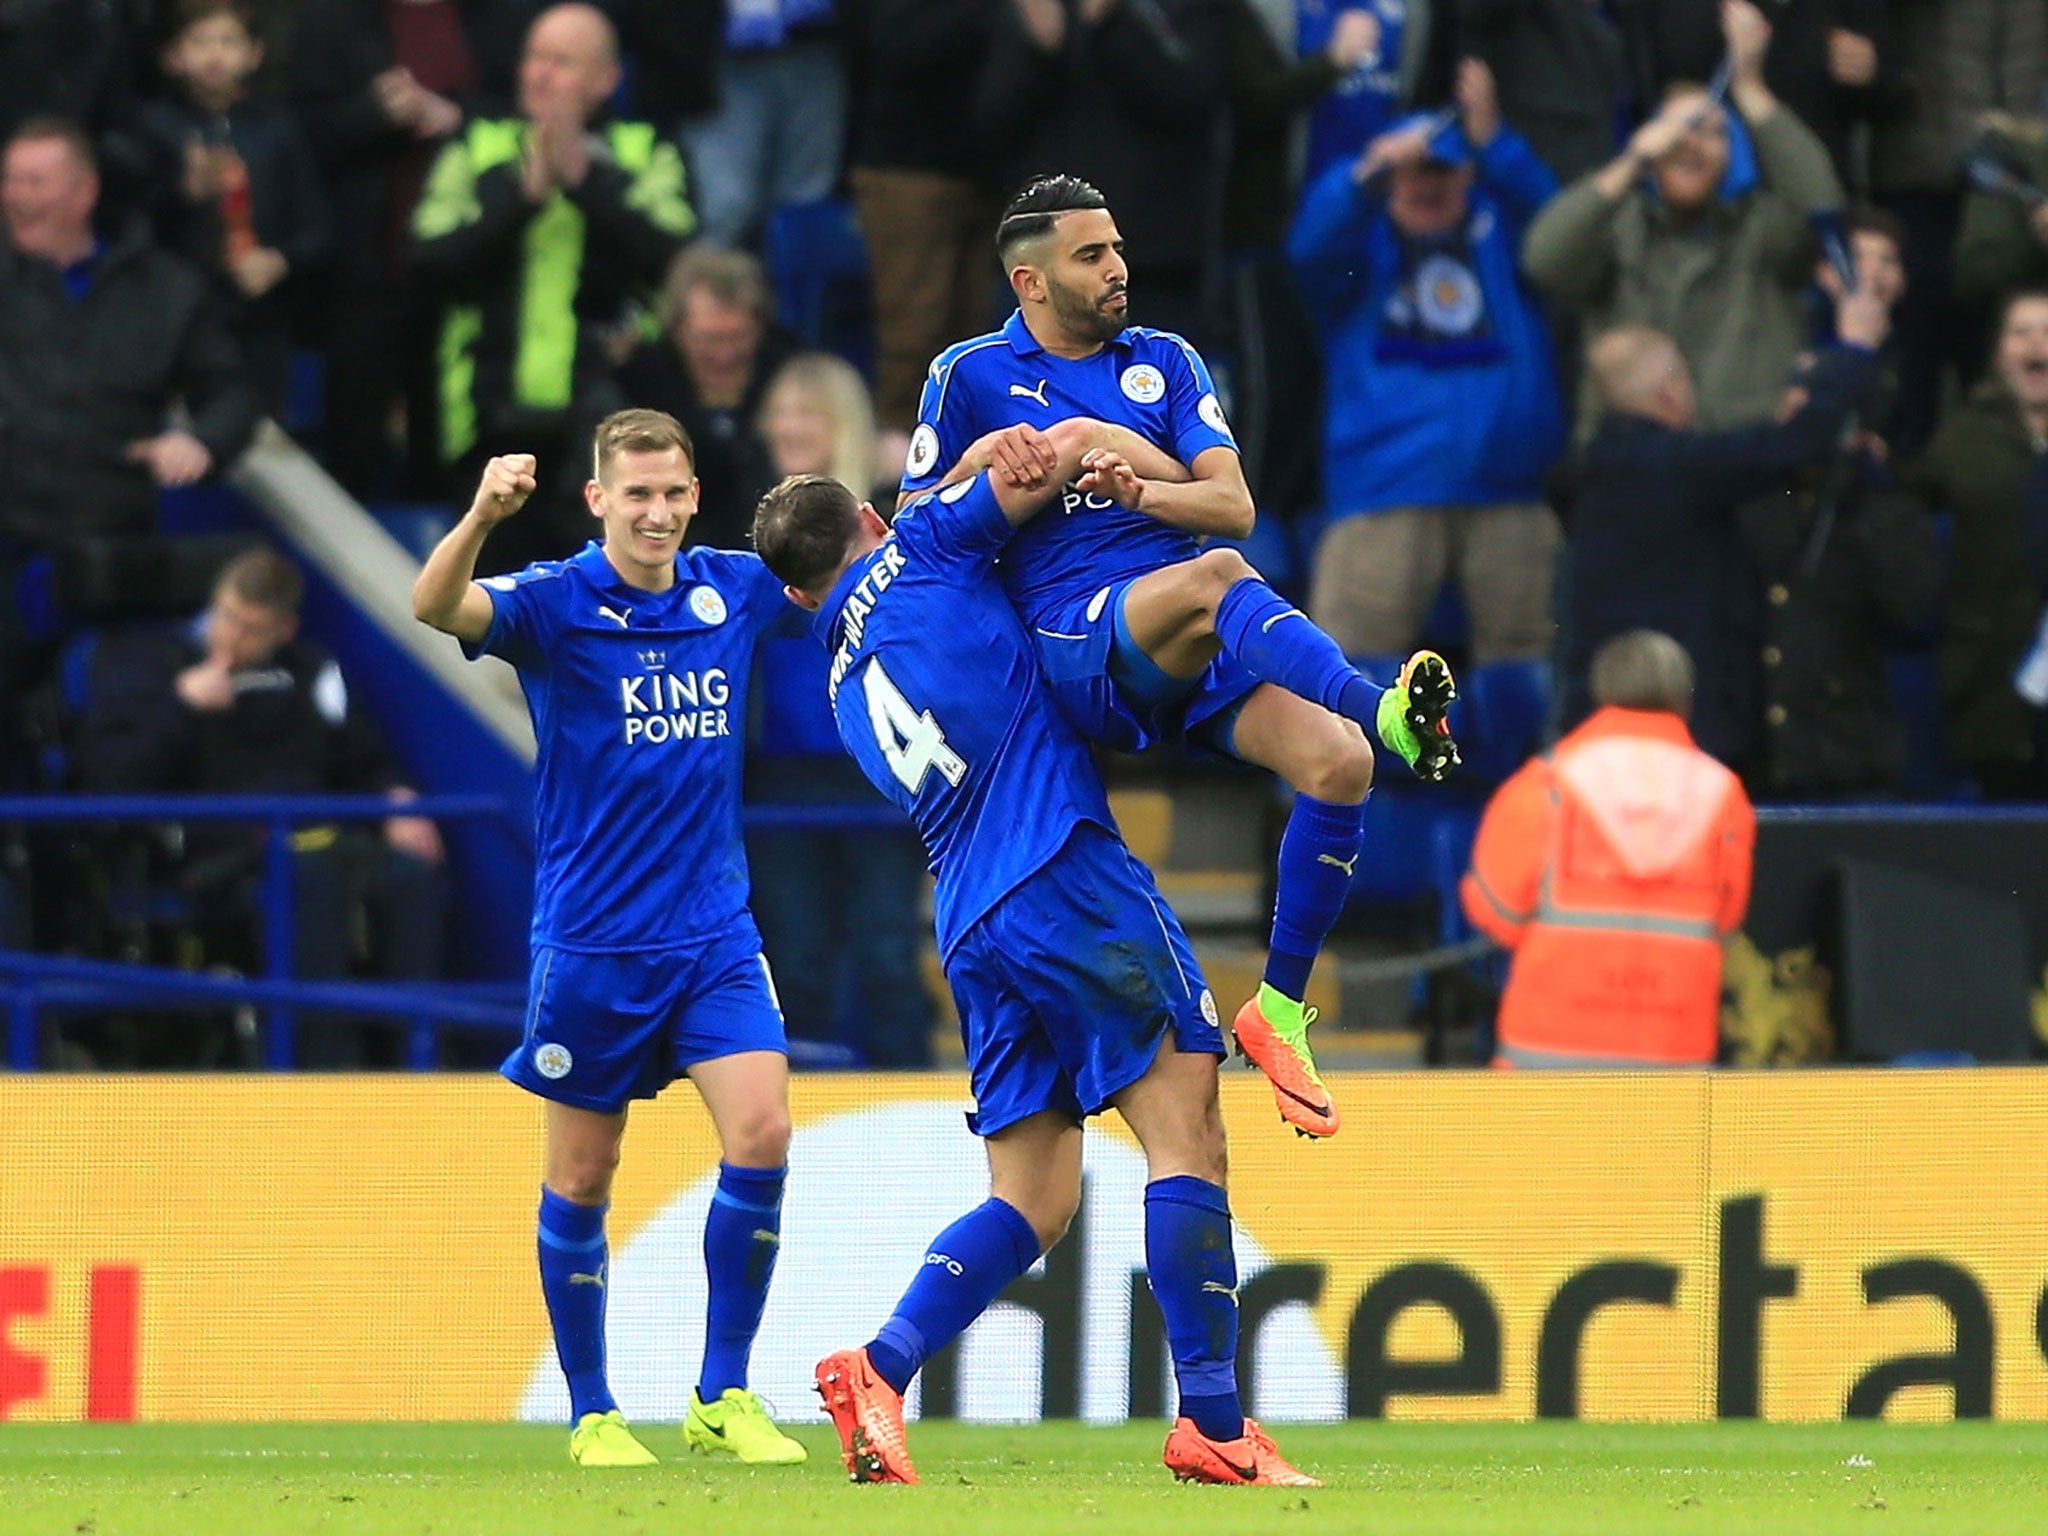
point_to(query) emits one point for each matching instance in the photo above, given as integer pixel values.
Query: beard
(1080, 317)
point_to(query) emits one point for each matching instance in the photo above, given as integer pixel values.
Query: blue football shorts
(1068, 986)
(602, 1029)
(1116, 696)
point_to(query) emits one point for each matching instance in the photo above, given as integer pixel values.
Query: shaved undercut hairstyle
(1035, 208)
(803, 528)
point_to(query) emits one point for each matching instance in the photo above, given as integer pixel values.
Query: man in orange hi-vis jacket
(1614, 866)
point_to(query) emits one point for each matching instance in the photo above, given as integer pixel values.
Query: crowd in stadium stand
(1718, 318)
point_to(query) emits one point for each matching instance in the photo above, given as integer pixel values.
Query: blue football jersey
(938, 696)
(1150, 381)
(639, 706)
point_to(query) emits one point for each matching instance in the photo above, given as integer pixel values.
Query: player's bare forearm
(1147, 458)
(445, 594)
(1215, 503)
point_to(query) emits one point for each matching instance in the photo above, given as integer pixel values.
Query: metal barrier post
(279, 941)
(24, 1034)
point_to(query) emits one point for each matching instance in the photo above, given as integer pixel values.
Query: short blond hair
(638, 431)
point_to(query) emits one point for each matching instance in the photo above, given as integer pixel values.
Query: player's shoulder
(1149, 342)
(535, 579)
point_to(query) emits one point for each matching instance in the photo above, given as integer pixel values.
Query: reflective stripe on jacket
(1614, 867)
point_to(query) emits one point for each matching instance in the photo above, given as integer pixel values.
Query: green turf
(1052, 1480)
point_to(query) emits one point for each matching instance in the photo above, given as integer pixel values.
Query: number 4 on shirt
(909, 738)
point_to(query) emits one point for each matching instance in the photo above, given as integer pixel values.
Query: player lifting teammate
(1141, 633)
(1076, 987)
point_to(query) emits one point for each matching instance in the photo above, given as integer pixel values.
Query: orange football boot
(1272, 1034)
(868, 1413)
(1193, 1457)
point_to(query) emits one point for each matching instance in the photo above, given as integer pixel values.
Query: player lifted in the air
(1076, 987)
(634, 656)
(1142, 634)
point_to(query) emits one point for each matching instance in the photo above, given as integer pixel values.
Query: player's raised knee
(1220, 569)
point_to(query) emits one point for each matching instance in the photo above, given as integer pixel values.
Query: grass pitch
(1065, 1479)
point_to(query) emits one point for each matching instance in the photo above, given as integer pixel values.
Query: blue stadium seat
(817, 261)
(794, 716)
(1504, 718)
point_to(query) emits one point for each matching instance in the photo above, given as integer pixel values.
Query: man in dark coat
(1651, 539)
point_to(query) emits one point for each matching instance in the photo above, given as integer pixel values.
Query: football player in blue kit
(1077, 989)
(1144, 634)
(634, 657)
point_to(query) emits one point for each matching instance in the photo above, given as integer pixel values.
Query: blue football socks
(1275, 642)
(1193, 1271)
(573, 1278)
(1318, 855)
(742, 1235)
(965, 1269)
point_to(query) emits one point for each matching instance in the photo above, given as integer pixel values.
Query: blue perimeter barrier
(35, 981)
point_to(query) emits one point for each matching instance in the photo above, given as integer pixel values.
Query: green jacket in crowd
(1997, 249)
(530, 291)
(1725, 286)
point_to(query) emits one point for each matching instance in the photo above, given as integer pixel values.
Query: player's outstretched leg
(573, 1272)
(964, 1270)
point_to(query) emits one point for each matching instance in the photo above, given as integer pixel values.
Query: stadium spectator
(1975, 470)
(927, 199)
(238, 194)
(838, 909)
(1651, 541)
(1850, 565)
(776, 136)
(380, 89)
(236, 702)
(1573, 76)
(2003, 243)
(2031, 680)
(1125, 96)
(537, 233)
(1700, 229)
(1406, 58)
(1962, 59)
(647, 967)
(1443, 411)
(1614, 867)
(1279, 402)
(105, 336)
(710, 367)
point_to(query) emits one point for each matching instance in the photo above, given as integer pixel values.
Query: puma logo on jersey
(1349, 866)
(1218, 1288)
(1037, 394)
(596, 1279)
(615, 615)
